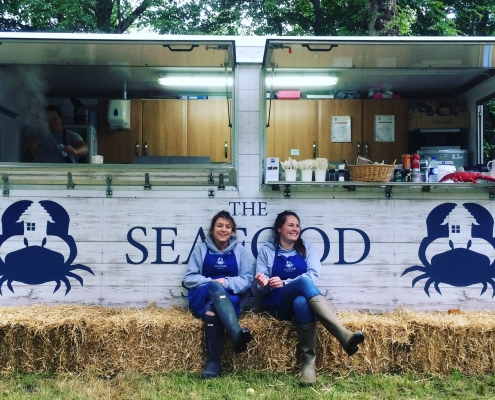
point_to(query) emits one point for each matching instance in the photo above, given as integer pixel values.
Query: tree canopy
(253, 17)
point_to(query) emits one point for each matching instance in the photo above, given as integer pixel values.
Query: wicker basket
(371, 172)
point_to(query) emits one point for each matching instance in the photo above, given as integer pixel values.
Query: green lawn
(244, 385)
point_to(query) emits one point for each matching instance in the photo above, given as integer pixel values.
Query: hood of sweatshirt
(211, 245)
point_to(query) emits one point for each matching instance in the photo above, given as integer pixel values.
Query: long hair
(225, 215)
(279, 221)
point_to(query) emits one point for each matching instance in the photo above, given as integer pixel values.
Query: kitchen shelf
(388, 187)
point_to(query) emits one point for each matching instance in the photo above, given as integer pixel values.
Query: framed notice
(272, 169)
(340, 130)
(384, 128)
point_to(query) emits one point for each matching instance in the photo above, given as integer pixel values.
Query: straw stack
(103, 340)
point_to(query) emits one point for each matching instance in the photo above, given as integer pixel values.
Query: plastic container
(433, 170)
(306, 175)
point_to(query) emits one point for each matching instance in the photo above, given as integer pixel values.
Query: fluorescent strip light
(195, 80)
(301, 80)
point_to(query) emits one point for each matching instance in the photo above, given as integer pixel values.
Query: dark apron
(285, 268)
(214, 266)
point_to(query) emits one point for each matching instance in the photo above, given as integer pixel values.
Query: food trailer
(190, 125)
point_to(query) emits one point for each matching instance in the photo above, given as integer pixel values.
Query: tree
(383, 18)
(214, 17)
(254, 17)
(105, 16)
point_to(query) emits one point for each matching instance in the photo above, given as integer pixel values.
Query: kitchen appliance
(446, 154)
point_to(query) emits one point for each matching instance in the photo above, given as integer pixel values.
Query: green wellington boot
(214, 343)
(224, 309)
(349, 340)
(307, 344)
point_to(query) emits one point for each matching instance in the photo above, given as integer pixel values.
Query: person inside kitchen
(287, 270)
(61, 145)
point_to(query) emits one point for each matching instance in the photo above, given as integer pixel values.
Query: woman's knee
(214, 288)
(309, 288)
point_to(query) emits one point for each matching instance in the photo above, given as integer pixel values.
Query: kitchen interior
(418, 87)
(133, 103)
(112, 95)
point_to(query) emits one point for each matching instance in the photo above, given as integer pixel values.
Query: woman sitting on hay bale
(218, 272)
(287, 271)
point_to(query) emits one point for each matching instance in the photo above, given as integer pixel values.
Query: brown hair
(53, 107)
(225, 215)
(279, 221)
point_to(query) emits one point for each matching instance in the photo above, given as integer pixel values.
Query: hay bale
(90, 338)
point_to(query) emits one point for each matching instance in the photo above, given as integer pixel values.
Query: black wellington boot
(349, 340)
(214, 343)
(224, 309)
(307, 344)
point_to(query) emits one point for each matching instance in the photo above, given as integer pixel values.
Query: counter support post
(5, 179)
(108, 179)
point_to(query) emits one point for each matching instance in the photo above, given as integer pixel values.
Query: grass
(244, 385)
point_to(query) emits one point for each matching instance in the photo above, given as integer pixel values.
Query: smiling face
(289, 232)
(222, 231)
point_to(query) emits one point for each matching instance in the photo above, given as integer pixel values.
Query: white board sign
(130, 251)
(384, 128)
(272, 172)
(341, 129)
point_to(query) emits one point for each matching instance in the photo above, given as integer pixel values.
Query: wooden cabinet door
(208, 131)
(387, 151)
(164, 128)
(118, 145)
(334, 151)
(292, 127)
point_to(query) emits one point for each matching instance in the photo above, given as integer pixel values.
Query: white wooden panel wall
(100, 227)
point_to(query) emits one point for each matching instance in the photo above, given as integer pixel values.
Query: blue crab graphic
(464, 229)
(34, 244)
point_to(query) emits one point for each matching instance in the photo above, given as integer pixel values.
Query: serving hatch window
(132, 102)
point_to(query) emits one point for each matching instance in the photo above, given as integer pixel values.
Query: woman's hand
(34, 148)
(261, 279)
(275, 282)
(221, 281)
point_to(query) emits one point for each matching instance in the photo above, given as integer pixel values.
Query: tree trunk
(104, 23)
(104, 16)
(383, 14)
(318, 21)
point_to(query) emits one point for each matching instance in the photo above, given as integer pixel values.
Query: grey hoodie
(236, 284)
(266, 256)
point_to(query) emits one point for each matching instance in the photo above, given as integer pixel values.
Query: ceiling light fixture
(301, 80)
(195, 80)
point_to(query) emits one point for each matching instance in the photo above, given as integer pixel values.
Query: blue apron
(285, 268)
(214, 266)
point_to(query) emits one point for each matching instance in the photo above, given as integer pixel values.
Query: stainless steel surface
(413, 67)
(93, 66)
